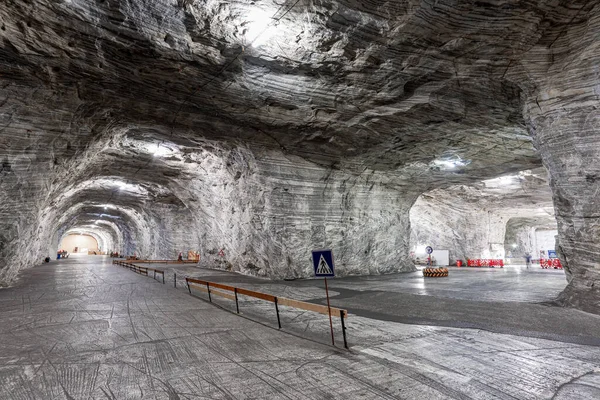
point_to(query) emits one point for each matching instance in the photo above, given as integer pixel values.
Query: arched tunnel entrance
(79, 243)
(493, 224)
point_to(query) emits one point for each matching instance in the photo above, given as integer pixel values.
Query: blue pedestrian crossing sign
(323, 262)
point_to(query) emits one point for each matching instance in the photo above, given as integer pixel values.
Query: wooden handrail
(206, 287)
(217, 292)
(137, 267)
(338, 312)
(213, 284)
(257, 295)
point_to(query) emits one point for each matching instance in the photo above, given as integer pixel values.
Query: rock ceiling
(391, 86)
(268, 127)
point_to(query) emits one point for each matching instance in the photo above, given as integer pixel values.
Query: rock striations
(268, 129)
(482, 220)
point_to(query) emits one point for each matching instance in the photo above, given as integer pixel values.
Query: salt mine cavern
(299, 199)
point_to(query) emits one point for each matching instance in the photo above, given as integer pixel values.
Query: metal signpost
(429, 250)
(323, 266)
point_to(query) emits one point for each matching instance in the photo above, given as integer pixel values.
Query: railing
(222, 290)
(206, 286)
(140, 270)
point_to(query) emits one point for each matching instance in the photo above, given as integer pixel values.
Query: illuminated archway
(80, 243)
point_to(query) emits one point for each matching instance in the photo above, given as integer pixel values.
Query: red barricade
(485, 262)
(550, 263)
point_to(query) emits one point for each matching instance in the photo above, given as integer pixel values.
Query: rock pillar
(563, 115)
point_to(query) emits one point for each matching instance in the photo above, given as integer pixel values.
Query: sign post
(323, 266)
(429, 250)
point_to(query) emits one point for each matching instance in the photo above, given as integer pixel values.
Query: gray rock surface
(520, 236)
(483, 220)
(203, 129)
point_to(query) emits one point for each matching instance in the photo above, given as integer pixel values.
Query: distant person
(527, 260)
(180, 257)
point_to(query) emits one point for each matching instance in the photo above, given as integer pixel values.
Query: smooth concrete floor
(513, 300)
(86, 329)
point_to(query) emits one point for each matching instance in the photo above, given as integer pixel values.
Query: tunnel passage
(322, 133)
(535, 237)
(484, 220)
(80, 243)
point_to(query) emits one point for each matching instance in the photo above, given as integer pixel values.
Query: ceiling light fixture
(507, 180)
(159, 151)
(448, 164)
(259, 27)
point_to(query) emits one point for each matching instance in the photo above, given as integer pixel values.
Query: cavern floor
(513, 300)
(83, 328)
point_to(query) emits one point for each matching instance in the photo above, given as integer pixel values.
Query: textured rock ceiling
(268, 128)
(389, 86)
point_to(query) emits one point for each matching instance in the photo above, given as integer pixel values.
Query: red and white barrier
(550, 263)
(485, 262)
